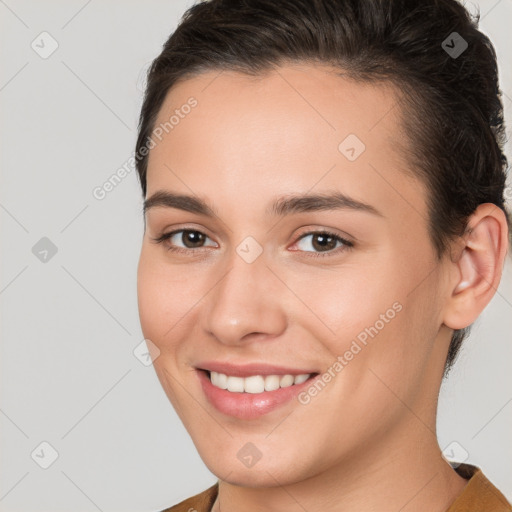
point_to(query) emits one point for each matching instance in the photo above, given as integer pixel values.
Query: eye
(190, 238)
(323, 241)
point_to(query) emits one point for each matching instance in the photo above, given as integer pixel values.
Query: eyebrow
(288, 205)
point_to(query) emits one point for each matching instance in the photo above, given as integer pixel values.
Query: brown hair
(432, 51)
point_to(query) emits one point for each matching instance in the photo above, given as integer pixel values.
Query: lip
(247, 370)
(249, 406)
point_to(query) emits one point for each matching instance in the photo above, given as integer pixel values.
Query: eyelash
(346, 243)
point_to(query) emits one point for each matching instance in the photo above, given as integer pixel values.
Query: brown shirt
(479, 495)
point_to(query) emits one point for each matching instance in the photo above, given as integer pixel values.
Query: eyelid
(310, 230)
(176, 229)
(169, 234)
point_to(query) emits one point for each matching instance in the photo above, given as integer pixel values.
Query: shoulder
(201, 502)
(479, 495)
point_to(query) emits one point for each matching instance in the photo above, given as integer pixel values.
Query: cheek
(369, 317)
(160, 296)
(170, 299)
(393, 363)
(342, 304)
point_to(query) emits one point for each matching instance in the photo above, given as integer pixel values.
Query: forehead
(313, 100)
(296, 127)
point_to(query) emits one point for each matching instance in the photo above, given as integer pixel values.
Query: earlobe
(479, 266)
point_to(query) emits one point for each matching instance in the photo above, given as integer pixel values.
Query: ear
(478, 267)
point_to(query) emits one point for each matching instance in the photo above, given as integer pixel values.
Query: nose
(247, 303)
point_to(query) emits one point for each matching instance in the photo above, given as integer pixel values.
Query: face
(344, 286)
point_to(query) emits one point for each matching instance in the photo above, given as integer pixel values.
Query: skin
(367, 441)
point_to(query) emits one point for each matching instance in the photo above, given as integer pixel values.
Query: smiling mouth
(256, 383)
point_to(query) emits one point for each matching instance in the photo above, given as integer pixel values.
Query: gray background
(70, 324)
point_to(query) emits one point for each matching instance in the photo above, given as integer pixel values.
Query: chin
(252, 477)
(273, 472)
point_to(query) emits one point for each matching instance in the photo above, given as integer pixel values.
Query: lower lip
(248, 406)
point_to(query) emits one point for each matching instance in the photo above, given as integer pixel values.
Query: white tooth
(236, 384)
(271, 382)
(222, 380)
(286, 381)
(299, 379)
(254, 384)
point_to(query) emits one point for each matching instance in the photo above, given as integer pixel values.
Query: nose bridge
(245, 300)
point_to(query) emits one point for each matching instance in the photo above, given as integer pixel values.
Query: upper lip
(246, 370)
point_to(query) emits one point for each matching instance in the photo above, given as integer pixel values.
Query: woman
(324, 220)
